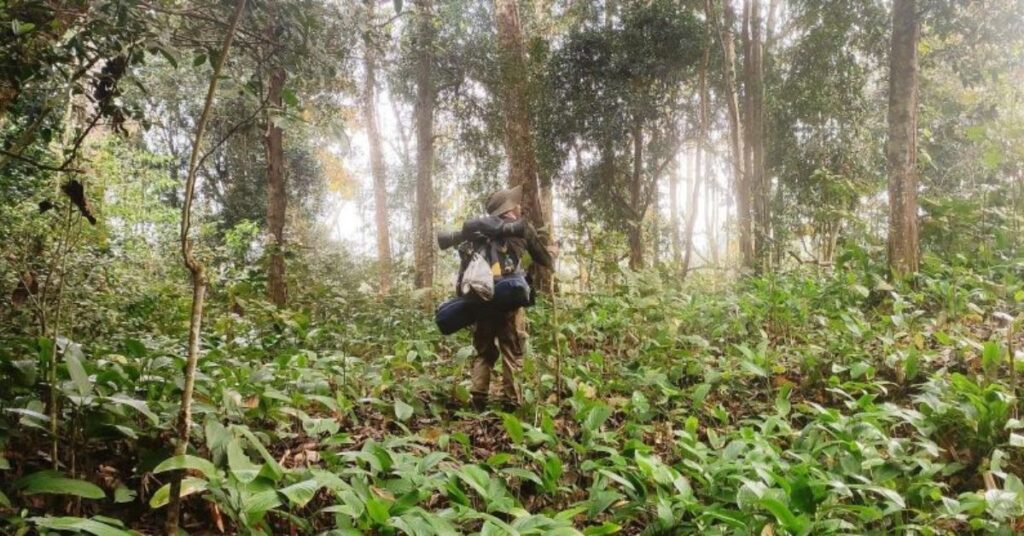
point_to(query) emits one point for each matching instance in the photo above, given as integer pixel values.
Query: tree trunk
(277, 197)
(901, 149)
(513, 76)
(741, 186)
(673, 211)
(380, 188)
(702, 133)
(636, 242)
(425, 99)
(197, 271)
(754, 129)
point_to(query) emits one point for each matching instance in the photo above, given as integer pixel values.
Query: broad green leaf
(52, 482)
(239, 463)
(476, 477)
(123, 495)
(301, 493)
(137, 405)
(189, 485)
(513, 426)
(187, 461)
(78, 524)
(402, 410)
(785, 517)
(74, 357)
(378, 510)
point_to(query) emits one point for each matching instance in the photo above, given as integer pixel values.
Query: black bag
(510, 293)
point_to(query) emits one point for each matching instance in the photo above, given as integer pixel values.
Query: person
(504, 334)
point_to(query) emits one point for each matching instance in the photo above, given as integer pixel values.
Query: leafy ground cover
(803, 403)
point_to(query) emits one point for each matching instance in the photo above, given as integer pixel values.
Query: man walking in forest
(508, 329)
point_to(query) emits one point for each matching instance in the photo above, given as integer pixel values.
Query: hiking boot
(479, 403)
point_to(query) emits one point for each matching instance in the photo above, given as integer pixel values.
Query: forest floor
(801, 404)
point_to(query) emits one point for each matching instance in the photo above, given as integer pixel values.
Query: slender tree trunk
(901, 149)
(380, 186)
(522, 160)
(425, 99)
(197, 271)
(636, 237)
(712, 197)
(673, 211)
(702, 134)
(277, 197)
(741, 186)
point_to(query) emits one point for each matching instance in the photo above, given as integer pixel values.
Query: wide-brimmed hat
(505, 200)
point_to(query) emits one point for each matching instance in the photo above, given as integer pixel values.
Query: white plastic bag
(478, 278)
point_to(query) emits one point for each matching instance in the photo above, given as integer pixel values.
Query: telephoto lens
(447, 239)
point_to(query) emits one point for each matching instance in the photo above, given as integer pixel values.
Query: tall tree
(380, 187)
(673, 211)
(754, 129)
(277, 197)
(901, 148)
(426, 96)
(741, 186)
(637, 204)
(522, 159)
(702, 142)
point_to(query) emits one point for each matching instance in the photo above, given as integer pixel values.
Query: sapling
(197, 270)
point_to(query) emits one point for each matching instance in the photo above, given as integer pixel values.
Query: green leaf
(52, 482)
(189, 485)
(402, 410)
(289, 97)
(596, 417)
(476, 477)
(301, 493)
(137, 405)
(785, 517)
(199, 59)
(378, 510)
(513, 426)
(602, 530)
(80, 524)
(4, 501)
(73, 357)
(187, 461)
(239, 463)
(123, 495)
(22, 28)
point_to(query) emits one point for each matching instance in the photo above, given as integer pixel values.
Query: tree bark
(198, 274)
(754, 130)
(425, 98)
(702, 133)
(673, 211)
(277, 197)
(380, 188)
(522, 159)
(741, 187)
(635, 234)
(901, 149)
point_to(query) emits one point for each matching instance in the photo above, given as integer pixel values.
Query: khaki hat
(503, 201)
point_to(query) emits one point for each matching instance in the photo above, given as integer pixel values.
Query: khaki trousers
(509, 332)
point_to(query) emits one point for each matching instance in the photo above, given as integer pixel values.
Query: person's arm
(538, 252)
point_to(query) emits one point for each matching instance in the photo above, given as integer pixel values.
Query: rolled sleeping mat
(510, 293)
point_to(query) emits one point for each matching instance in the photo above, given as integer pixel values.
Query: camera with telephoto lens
(482, 228)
